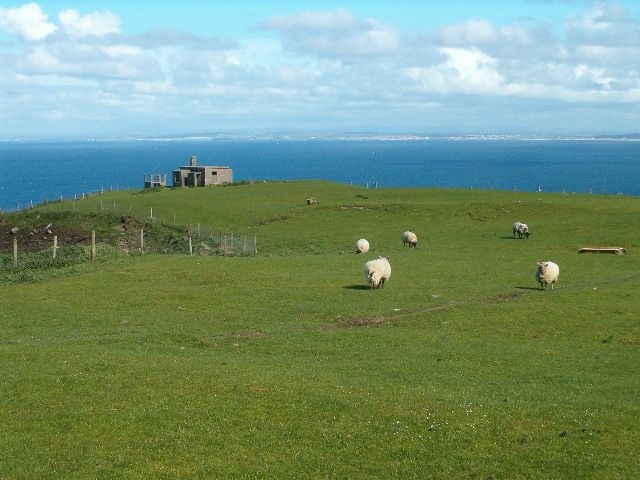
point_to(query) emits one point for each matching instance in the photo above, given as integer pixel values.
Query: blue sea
(31, 172)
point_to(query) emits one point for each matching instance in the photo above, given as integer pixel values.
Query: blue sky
(119, 68)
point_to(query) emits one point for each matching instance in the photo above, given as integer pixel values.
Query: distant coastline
(247, 137)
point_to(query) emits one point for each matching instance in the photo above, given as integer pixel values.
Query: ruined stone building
(201, 176)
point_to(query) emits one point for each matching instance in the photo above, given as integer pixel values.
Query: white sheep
(377, 272)
(410, 238)
(362, 246)
(516, 228)
(547, 273)
(522, 229)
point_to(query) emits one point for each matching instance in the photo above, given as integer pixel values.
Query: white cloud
(468, 71)
(338, 20)
(472, 32)
(27, 21)
(473, 70)
(97, 23)
(337, 34)
(595, 60)
(97, 62)
(605, 24)
(596, 20)
(329, 67)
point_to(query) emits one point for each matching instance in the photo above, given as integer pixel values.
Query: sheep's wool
(547, 273)
(377, 272)
(362, 246)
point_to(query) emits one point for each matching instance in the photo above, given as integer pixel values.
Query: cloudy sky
(130, 67)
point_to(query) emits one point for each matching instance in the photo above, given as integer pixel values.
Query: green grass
(286, 366)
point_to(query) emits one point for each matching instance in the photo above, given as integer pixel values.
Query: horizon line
(309, 136)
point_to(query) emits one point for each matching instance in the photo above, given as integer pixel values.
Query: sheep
(362, 246)
(409, 238)
(516, 228)
(547, 273)
(522, 229)
(377, 272)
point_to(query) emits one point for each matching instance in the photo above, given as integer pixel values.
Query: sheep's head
(542, 266)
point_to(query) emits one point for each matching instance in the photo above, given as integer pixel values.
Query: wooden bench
(616, 250)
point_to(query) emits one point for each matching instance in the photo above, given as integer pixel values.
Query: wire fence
(31, 254)
(204, 243)
(132, 230)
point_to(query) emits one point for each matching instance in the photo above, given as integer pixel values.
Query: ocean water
(31, 172)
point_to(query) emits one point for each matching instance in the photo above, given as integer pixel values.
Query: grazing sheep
(362, 246)
(410, 238)
(522, 229)
(547, 273)
(377, 272)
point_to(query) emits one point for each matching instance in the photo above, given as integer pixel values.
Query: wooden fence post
(244, 245)
(255, 246)
(198, 229)
(142, 241)
(55, 246)
(190, 246)
(93, 245)
(151, 215)
(15, 252)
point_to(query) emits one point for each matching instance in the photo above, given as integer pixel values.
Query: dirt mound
(35, 231)
(36, 237)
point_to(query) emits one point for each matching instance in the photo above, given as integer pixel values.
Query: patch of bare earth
(35, 238)
(384, 319)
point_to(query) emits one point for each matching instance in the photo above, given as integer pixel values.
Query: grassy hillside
(285, 365)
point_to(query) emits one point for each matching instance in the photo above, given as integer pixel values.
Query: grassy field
(285, 365)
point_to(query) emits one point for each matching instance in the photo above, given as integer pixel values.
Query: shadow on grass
(528, 288)
(357, 287)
